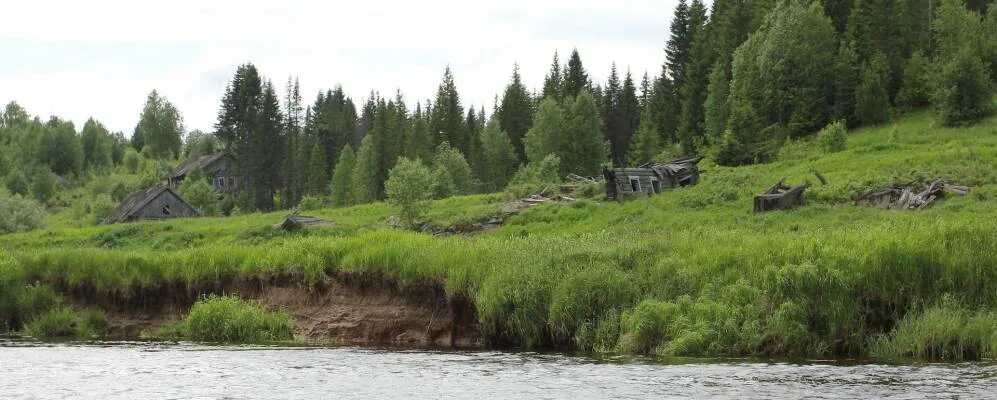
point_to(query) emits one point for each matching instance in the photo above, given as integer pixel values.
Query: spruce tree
(515, 114)
(317, 177)
(715, 107)
(290, 175)
(664, 108)
(646, 142)
(916, 89)
(872, 102)
(679, 45)
(553, 82)
(613, 117)
(341, 188)
(419, 140)
(447, 117)
(629, 106)
(575, 77)
(847, 76)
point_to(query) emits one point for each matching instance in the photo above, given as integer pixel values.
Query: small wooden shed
(651, 179)
(220, 169)
(152, 204)
(780, 196)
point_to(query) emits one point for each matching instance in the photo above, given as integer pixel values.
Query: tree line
(739, 80)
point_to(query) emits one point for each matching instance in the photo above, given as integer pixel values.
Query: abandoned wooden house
(651, 179)
(220, 169)
(152, 204)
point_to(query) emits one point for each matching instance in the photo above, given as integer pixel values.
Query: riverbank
(692, 272)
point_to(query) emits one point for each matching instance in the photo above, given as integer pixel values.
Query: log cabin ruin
(651, 179)
(219, 169)
(155, 203)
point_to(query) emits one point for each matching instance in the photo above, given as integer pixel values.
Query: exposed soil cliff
(346, 308)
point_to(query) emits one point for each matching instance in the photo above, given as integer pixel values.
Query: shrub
(943, 332)
(535, 176)
(56, 323)
(963, 94)
(20, 214)
(451, 171)
(199, 193)
(313, 203)
(833, 138)
(231, 319)
(406, 187)
(16, 183)
(132, 161)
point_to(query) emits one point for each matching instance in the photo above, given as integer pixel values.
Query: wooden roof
(136, 201)
(201, 162)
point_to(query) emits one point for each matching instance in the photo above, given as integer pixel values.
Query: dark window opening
(166, 210)
(656, 186)
(635, 184)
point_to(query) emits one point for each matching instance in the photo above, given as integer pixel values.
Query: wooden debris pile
(908, 199)
(544, 196)
(294, 222)
(780, 197)
(576, 181)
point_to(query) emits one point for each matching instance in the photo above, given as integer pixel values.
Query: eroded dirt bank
(346, 308)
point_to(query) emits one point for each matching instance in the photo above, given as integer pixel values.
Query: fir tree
(872, 102)
(291, 176)
(317, 177)
(715, 107)
(418, 139)
(916, 89)
(575, 77)
(342, 178)
(447, 118)
(515, 114)
(553, 82)
(646, 142)
(846, 81)
(679, 44)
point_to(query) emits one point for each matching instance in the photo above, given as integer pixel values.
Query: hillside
(689, 272)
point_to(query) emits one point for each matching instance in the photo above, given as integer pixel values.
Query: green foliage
(546, 137)
(715, 113)
(341, 188)
(406, 187)
(233, 320)
(200, 194)
(872, 102)
(585, 151)
(916, 89)
(646, 143)
(16, 183)
(364, 177)
(160, 127)
(946, 331)
(318, 179)
(64, 323)
(132, 161)
(514, 118)
(833, 138)
(533, 177)
(963, 93)
(580, 301)
(20, 214)
(451, 173)
(498, 156)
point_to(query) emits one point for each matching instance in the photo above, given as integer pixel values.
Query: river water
(188, 371)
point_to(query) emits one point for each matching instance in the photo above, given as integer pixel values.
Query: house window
(166, 209)
(635, 184)
(655, 185)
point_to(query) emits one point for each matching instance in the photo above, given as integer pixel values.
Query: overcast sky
(77, 59)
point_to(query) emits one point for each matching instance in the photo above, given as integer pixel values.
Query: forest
(739, 81)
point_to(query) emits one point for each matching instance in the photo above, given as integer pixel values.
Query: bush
(313, 203)
(451, 171)
(406, 187)
(63, 323)
(535, 176)
(833, 138)
(231, 319)
(963, 93)
(943, 332)
(19, 214)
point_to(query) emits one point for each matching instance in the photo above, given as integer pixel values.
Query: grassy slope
(691, 272)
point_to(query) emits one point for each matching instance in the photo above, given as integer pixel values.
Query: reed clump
(230, 319)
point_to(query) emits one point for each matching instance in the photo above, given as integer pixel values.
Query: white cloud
(100, 58)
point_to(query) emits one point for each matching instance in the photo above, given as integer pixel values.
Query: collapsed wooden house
(220, 169)
(780, 197)
(652, 179)
(907, 199)
(152, 204)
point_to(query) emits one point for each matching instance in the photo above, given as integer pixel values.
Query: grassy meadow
(691, 272)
